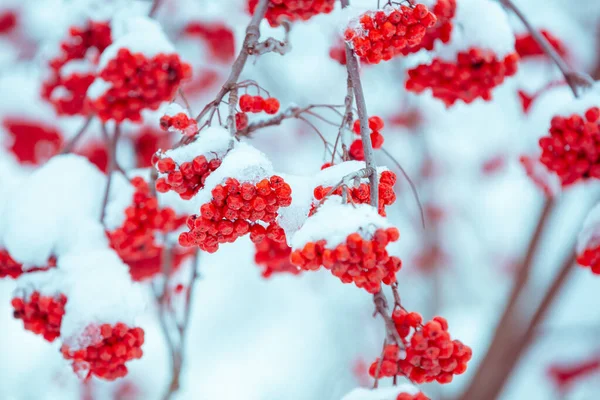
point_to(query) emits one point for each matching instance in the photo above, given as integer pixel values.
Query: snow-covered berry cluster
(357, 150)
(106, 357)
(179, 122)
(293, 10)
(237, 208)
(362, 261)
(40, 314)
(71, 76)
(431, 354)
(137, 82)
(134, 239)
(526, 46)
(473, 75)
(444, 10)
(273, 256)
(572, 148)
(187, 178)
(380, 35)
(361, 194)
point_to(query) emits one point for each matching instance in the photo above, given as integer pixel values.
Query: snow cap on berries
(334, 221)
(212, 142)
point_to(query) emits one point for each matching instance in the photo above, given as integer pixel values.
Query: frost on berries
(139, 70)
(380, 35)
(293, 10)
(350, 241)
(571, 148)
(73, 70)
(430, 353)
(185, 169)
(474, 62)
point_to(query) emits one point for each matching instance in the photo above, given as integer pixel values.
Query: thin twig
(71, 143)
(155, 5)
(112, 162)
(574, 79)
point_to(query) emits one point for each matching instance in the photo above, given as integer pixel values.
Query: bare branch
(71, 143)
(112, 162)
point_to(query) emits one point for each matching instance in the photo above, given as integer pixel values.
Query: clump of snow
(212, 142)
(99, 291)
(173, 109)
(54, 210)
(120, 197)
(333, 175)
(589, 237)
(334, 221)
(482, 24)
(387, 393)
(97, 88)
(48, 283)
(83, 66)
(292, 218)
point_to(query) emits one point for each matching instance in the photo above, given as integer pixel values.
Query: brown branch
(112, 163)
(273, 45)
(573, 78)
(155, 5)
(248, 48)
(381, 308)
(515, 353)
(70, 145)
(505, 332)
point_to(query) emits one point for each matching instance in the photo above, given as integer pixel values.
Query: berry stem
(112, 164)
(574, 79)
(71, 143)
(155, 5)
(505, 334)
(250, 42)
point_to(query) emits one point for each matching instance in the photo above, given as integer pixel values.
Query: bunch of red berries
(445, 11)
(41, 314)
(87, 42)
(293, 10)
(185, 179)
(220, 39)
(474, 74)
(572, 150)
(364, 262)
(527, 46)
(408, 396)
(431, 354)
(590, 258)
(255, 105)
(357, 150)
(381, 35)
(137, 82)
(237, 209)
(362, 193)
(106, 359)
(181, 122)
(33, 142)
(134, 240)
(274, 257)
(9, 268)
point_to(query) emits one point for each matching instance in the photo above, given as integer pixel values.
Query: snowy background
(308, 337)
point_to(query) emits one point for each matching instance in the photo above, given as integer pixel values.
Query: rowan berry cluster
(185, 179)
(357, 150)
(106, 359)
(293, 10)
(9, 268)
(431, 354)
(33, 142)
(255, 105)
(364, 262)
(87, 44)
(134, 240)
(41, 314)
(572, 148)
(238, 208)
(180, 122)
(473, 75)
(362, 193)
(445, 11)
(527, 46)
(590, 258)
(137, 82)
(381, 35)
(408, 396)
(274, 257)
